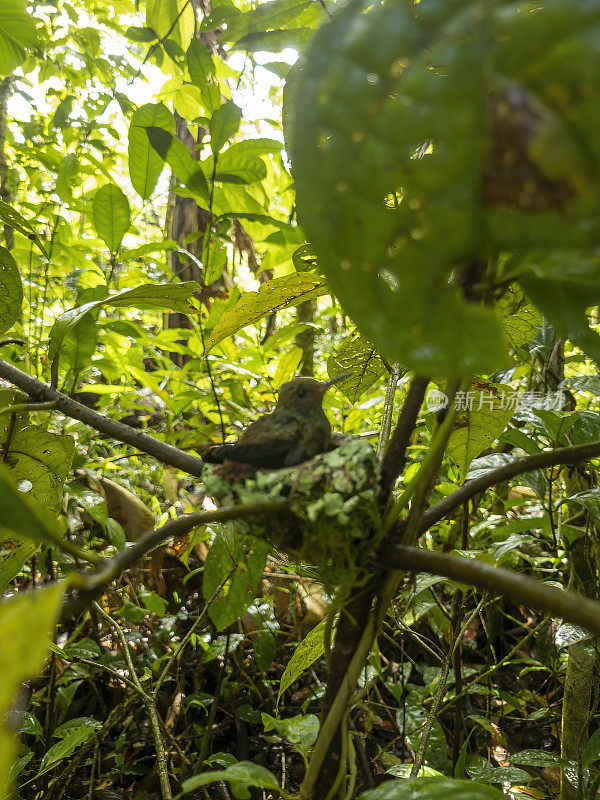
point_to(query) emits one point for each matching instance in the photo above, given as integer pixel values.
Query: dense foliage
(200, 201)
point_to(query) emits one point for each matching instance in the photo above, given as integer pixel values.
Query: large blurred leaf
(416, 184)
(271, 16)
(26, 624)
(145, 165)
(112, 215)
(11, 291)
(248, 556)
(164, 296)
(358, 356)
(17, 33)
(272, 295)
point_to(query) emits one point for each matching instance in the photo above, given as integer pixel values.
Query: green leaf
(17, 34)
(238, 168)
(24, 515)
(145, 165)
(63, 749)
(164, 296)
(301, 730)
(26, 623)
(538, 758)
(274, 41)
(240, 775)
(11, 291)
(269, 16)
(306, 653)
(40, 462)
(224, 124)
(112, 215)
(199, 62)
(172, 20)
(178, 157)
(358, 356)
(432, 789)
(482, 416)
(480, 769)
(17, 221)
(290, 290)
(12, 563)
(248, 555)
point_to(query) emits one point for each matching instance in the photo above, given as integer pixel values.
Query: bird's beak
(332, 381)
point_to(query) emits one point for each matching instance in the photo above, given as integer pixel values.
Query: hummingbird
(296, 431)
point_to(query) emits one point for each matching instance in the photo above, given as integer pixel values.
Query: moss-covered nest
(332, 521)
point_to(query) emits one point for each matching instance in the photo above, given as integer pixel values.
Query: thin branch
(90, 585)
(395, 458)
(41, 392)
(563, 455)
(517, 587)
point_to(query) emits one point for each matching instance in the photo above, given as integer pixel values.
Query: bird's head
(305, 394)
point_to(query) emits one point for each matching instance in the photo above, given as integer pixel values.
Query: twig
(41, 392)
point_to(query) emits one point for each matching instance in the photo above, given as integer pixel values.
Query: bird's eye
(300, 392)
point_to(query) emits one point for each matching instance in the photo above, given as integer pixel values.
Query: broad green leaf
(592, 749)
(67, 745)
(480, 769)
(248, 555)
(224, 124)
(67, 172)
(39, 463)
(538, 758)
(238, 168)
(358, 356)
(290, 290)
(306, 653)
(23, 515)
(112, 215)
(11, 291)
(145, 165)
(301, 730)
(432, 789)
(17, 34)
(270, 16)
(172, 20)
(199, 62)
(17, 221)
(26, 624)
(240, 775)
(165, 296)
(251, 147)
(181, 161)
(483, 413)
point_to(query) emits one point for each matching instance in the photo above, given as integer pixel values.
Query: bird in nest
(296, 431)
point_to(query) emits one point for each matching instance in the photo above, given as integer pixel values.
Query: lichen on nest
(333, 519)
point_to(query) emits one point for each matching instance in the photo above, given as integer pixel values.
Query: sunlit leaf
(112, 215)
(11, 291)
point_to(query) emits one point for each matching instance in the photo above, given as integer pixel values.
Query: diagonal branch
(517, 587)
(395, 458)
(41, 392)
(551, 458)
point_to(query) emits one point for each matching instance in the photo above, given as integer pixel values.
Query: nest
(332, 520)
